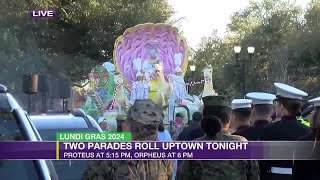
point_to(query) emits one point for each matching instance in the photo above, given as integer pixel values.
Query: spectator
(188, 133)
(103, 124)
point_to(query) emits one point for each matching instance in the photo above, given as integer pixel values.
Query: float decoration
(150, 61)
(151, 43)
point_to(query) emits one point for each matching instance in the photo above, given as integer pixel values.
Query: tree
(269, 26)
(82, 35)
(214, 51)
(312, 16)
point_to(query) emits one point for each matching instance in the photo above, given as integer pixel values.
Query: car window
(56, 122)
(26, 169)
(66, 169)
(10, 131)
(50, 134)
(18, 101)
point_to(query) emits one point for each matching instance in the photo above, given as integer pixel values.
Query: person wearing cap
(262, 110)
(144, 118)
(241, 114)
(140, 88)
(215, 122)
(309, 169)
(177, 125)
(307, 114)
(148, 66)
(289, 103)
(305, 110)
(188, 133)
(103, 124)
(179, 86)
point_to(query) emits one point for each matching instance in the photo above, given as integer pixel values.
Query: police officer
(289, 102)
(241, 114)
(303, 121)
(144, 118)
(309, 169)
(308, 113)
(262, 110)
(216, 118)
(305, 111)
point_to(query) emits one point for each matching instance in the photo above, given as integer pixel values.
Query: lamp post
(192, 69)
(237, 50)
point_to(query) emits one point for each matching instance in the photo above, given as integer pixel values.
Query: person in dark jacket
(307, 114)
(262, 110)
(309, 170)
(289, 102)
(187, 133)
(241, 114)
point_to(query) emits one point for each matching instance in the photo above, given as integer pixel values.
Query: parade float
(149, 62)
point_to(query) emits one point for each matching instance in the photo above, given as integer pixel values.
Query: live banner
(194, 150)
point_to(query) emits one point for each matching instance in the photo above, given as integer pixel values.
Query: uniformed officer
(241, 114)
(303, 121)
(289, 102)
(144, 118)
(216, 118)
(262, 110)
(308, 113)
(309, 169)
(305, 111)
(300, 117)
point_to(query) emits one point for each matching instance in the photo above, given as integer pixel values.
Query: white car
(16, 126)
(74, 121)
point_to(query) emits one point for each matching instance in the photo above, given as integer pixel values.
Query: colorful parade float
(149, 62)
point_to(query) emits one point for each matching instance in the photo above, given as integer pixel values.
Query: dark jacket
(287, 129)
(308, 170)
(192, 132)
(254, 132)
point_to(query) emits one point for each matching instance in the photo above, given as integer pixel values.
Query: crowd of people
(286, 116)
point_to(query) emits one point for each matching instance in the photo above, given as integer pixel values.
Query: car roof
(58, 121)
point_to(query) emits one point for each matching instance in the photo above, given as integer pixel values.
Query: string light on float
(114, 95)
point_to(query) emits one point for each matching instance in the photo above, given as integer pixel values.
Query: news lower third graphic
(93, 137)
(118, 146)
(43, 13)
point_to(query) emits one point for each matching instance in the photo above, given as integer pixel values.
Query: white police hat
(241, 103)
(287, 91)
(261, 97)
(315, 101)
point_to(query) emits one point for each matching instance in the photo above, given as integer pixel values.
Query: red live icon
(43, 13)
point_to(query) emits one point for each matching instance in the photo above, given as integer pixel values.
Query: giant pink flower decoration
(142, 41)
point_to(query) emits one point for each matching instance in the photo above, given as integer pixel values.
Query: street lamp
(192, 68)
(237, 50)
(250, 51)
